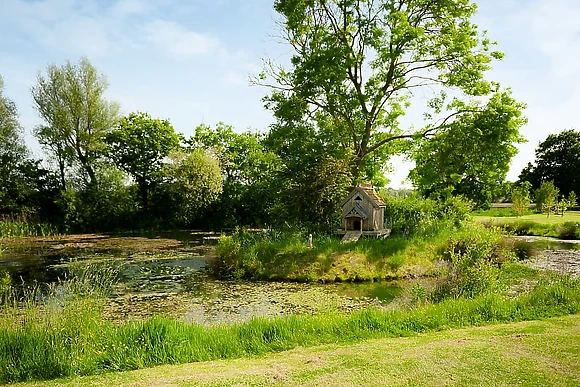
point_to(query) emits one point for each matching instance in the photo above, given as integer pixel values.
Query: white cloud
(176, 40)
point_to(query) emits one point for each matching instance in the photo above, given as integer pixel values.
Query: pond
(558, 255)
(166, 273)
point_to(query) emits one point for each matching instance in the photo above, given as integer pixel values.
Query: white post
(309, 241)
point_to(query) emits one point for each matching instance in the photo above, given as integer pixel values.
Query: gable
(378, 203)
(357, 212)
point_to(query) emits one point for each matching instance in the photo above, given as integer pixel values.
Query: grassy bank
(71, 341)
(538, 353)
(288, 257)
(556, 226)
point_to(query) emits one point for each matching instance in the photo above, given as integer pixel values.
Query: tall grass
(16, 228)
(286, 256)
(73, 341)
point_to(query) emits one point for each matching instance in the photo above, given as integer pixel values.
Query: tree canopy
(557, 160)
(70, 100)
(357, 63)
(473, 156)
(138, 145)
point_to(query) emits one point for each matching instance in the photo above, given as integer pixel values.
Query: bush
(523, 250)
(475, 256)
(568, 230)
(426, 216)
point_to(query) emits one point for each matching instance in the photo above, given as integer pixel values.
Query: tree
(248, 168)
(24, 185)
(566, 203)
(357, 63)
(70, 101)
(521, 198)
(547, 197)
(556, 160)
(12, 151)
(472, 157)
(139, 144)
(195, 181)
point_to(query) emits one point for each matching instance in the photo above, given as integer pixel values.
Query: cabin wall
(375, 220)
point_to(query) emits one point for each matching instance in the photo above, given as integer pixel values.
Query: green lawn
(535, 353)
(571, 216)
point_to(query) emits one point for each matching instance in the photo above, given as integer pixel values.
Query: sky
(189, 61)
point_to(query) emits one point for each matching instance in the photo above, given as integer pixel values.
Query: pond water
(562, 256)
(166, 273)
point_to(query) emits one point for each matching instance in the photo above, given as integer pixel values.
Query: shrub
(425, 216)
(475, 256)
(523, 250)
(568, 230)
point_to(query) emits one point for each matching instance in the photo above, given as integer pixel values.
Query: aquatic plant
(16, 228)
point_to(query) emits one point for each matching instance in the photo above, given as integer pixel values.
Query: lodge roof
(368, 191)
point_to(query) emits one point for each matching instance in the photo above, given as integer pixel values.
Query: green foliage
(556, 160)
(356, 64)
(249, 170)
(474, 257)
(525, 227)
(422, 216)
(25, 187)
(70, 100)
(107, 205)
(520, 196)
(193, 181)
(565, 203)
(472, 156)
(500, 212)
(547, 197)
(568, 230)
(21, 227)
(286, 256)
(5, 286)
(139, 145)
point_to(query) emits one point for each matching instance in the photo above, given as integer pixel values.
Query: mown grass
(499, 213)
(72, 340)
(567, 227)
(537, 353)
(569, 216)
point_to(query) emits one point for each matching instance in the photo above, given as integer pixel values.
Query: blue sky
(189, 60)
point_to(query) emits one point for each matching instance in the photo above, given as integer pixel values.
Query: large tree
(12, 153)
(25, 186)
(557, 160)
(70, 100)
(139, 145)
(472, 157)
(357, 63)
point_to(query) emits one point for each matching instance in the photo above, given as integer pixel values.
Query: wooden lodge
(363, 214)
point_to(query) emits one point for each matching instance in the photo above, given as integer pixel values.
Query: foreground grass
(74, 341)
(537, 353)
